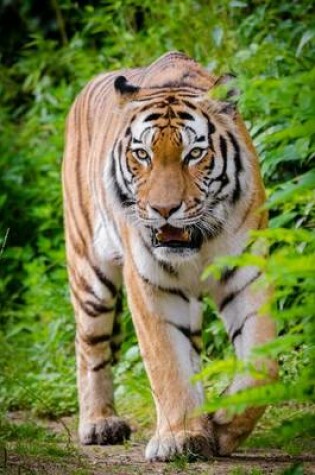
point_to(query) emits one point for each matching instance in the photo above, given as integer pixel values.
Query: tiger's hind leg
(94, 295)
(241, 299)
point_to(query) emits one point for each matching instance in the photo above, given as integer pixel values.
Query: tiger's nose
(166, 211)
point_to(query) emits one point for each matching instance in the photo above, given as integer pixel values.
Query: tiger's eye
(141, 154)
(196, 152)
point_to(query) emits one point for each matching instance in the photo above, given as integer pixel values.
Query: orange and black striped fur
(159, 179)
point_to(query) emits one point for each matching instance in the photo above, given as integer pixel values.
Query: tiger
(160, 178)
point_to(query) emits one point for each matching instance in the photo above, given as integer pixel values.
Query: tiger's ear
(125, 90)
(226, 93)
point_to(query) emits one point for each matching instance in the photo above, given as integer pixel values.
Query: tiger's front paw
(109, 431)
(194, 446)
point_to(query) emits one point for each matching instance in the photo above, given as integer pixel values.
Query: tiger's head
(177, 167)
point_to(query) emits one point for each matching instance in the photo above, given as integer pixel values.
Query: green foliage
(25, 431)
(270, 45)
(290, 426)
(29, 447)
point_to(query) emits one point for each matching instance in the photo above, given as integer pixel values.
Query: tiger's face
(179, 171)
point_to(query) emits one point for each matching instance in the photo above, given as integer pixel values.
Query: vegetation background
(48, 51)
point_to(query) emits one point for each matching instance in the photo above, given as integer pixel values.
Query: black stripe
(223, 149)
(239, 330)
(185, 331)
(211, 126)
(84, 307)
(99, 308)
(227, 274)
(123, 198)
(117, 327)
(211, 130)
(115, 356)
(169, 290)
(95, 340)
(189, 104)
(223, 178)
(185, 115)
(105, 281)
(119, 303)
(126, 182)
(81, 282)
(153, 116)
(237, 158)
(202, 187)
(91, 307)
(231, 296)
(88, 289)
(196, 333)
(236, 334)
(115, 345)
(188, 334)
(117, 337)
(101, 365)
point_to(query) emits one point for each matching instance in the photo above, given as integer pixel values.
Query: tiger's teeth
(168, 233)
(159, 235)
(186, 235)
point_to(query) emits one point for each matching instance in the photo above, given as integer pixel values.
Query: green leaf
(307, 36)
(292, 188)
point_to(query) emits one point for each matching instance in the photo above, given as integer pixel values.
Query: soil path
(129, 459)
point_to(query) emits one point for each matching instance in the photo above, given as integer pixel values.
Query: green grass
(290, 428)
(28, 446)
(295, 469)
(242, 471)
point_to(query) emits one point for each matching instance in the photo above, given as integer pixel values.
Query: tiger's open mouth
(170, 237)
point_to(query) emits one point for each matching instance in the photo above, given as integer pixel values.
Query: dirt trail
(129, 459)
(118, 460)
